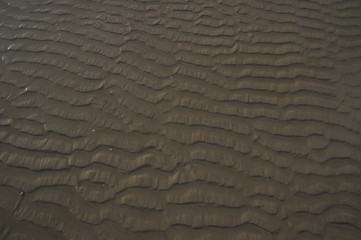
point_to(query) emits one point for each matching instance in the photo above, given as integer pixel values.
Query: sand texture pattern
(180, 120)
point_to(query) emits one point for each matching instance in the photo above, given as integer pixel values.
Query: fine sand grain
(180, 120)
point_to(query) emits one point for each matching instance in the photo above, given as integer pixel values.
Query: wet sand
(180, 119)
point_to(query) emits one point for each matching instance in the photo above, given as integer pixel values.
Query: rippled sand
(180, 120)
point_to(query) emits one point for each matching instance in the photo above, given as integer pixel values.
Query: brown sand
(180, 119)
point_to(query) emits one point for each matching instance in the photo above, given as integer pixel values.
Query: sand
(180, 120)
